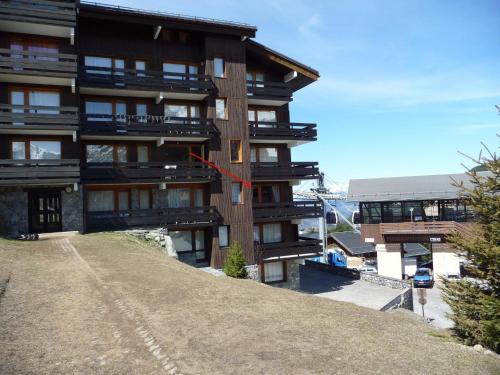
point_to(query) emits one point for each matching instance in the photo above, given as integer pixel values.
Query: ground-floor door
(44, 210)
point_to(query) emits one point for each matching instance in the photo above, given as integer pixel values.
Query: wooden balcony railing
(145, 80)
(283, 171)
(60, 12)
(38, 117)
(434, 227)
(265, 212)
(279, 130)
(38, 172)
(303, 248)
(38, 63)
(149, 124)
(276, 90)
(150, 172)
(171, 218)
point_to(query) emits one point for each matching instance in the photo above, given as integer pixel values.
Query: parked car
(369, 269)
(423, 278)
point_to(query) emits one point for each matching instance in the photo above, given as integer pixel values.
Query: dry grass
(207, 325)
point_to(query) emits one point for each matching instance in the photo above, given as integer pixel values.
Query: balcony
(18, 119)
(146, 127)
(31, 67)
(38, 17)
(284, 171)
(150, 172)
(170, 218)
(267, 212)
(435, 231)
(303, 248)
(278, 132)
(144, 83)
(39, 172)
(268, 93)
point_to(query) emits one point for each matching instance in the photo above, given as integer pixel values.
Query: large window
(172, 70)
(107, 153)
(266, 193)
(274, 272)
(371, 212)
(221, 108)
(255, 76)
(392, 212)
(185, 197)
(413, 211)
(104, 65)
(271, 233)
(262, 115)
(36, 150)
(182, 153)
(189, 241)
(219, 67)
(106, 110)
(264, 155)
(179, 113)
(36, 98)
(101, 200)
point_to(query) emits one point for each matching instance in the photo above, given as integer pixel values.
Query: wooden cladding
(38, 172)
(60, 13)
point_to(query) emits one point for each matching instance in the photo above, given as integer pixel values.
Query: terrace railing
(269, 89)
(38, 116)
(38, 63)
(303, 248)
(60, 12)
(145, 79)
(281, 130)
(282, 171)
(37, 172)
(266, 212)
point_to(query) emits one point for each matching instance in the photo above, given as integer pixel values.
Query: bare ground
(109, 304)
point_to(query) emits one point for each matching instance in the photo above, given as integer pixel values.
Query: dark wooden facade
(152, 40)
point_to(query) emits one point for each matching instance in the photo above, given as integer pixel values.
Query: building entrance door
(44, 210)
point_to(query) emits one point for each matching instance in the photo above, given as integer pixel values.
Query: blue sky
(404, 84)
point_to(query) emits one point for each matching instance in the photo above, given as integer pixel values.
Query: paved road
(435, 308)
(344, 289)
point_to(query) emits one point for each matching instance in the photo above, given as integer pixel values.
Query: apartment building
(107, 115)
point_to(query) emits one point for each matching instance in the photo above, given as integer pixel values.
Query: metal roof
(352, 243)
(407, 188)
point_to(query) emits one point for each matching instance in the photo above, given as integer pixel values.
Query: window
(261, 115)
(182, 153)
(141, 111)
(271, 233)
(140, 68)
(36, 150)
(123, 200)
(220, 109)
(224, 236)
(101, 200)
(142, 154)
(176, 113)
(274, 272)
(187, 241)
(236, 152)
(371, 213)
(38, 98)
(173, 70)
(266, 194)
(236, 193)
(253, 78)
(256, 233)
(264, 155)
(103, 64)
(145, 199)
(219, 67)
(99, 153)
(121, 154)
(392, 212)
(185, 197)
(104, 110)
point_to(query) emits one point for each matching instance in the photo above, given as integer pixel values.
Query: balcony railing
(265, 212)
(147, 172)
(277, 90)
(38, 63)
(284, 171)
(171, 218)
(60, 12)
(38, 117)
(39, 172)
(415, 228)
(303, 248)
(145, 80)
(148, 124)
(279, 130)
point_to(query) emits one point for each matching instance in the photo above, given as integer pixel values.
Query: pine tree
(475, 301)
(234, 265)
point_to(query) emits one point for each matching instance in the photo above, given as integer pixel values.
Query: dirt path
(108, 304)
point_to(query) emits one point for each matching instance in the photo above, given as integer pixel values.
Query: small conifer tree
(234, 266)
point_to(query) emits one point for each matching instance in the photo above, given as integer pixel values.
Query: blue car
(423, 278)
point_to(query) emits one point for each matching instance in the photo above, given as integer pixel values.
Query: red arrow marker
(245, 183)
